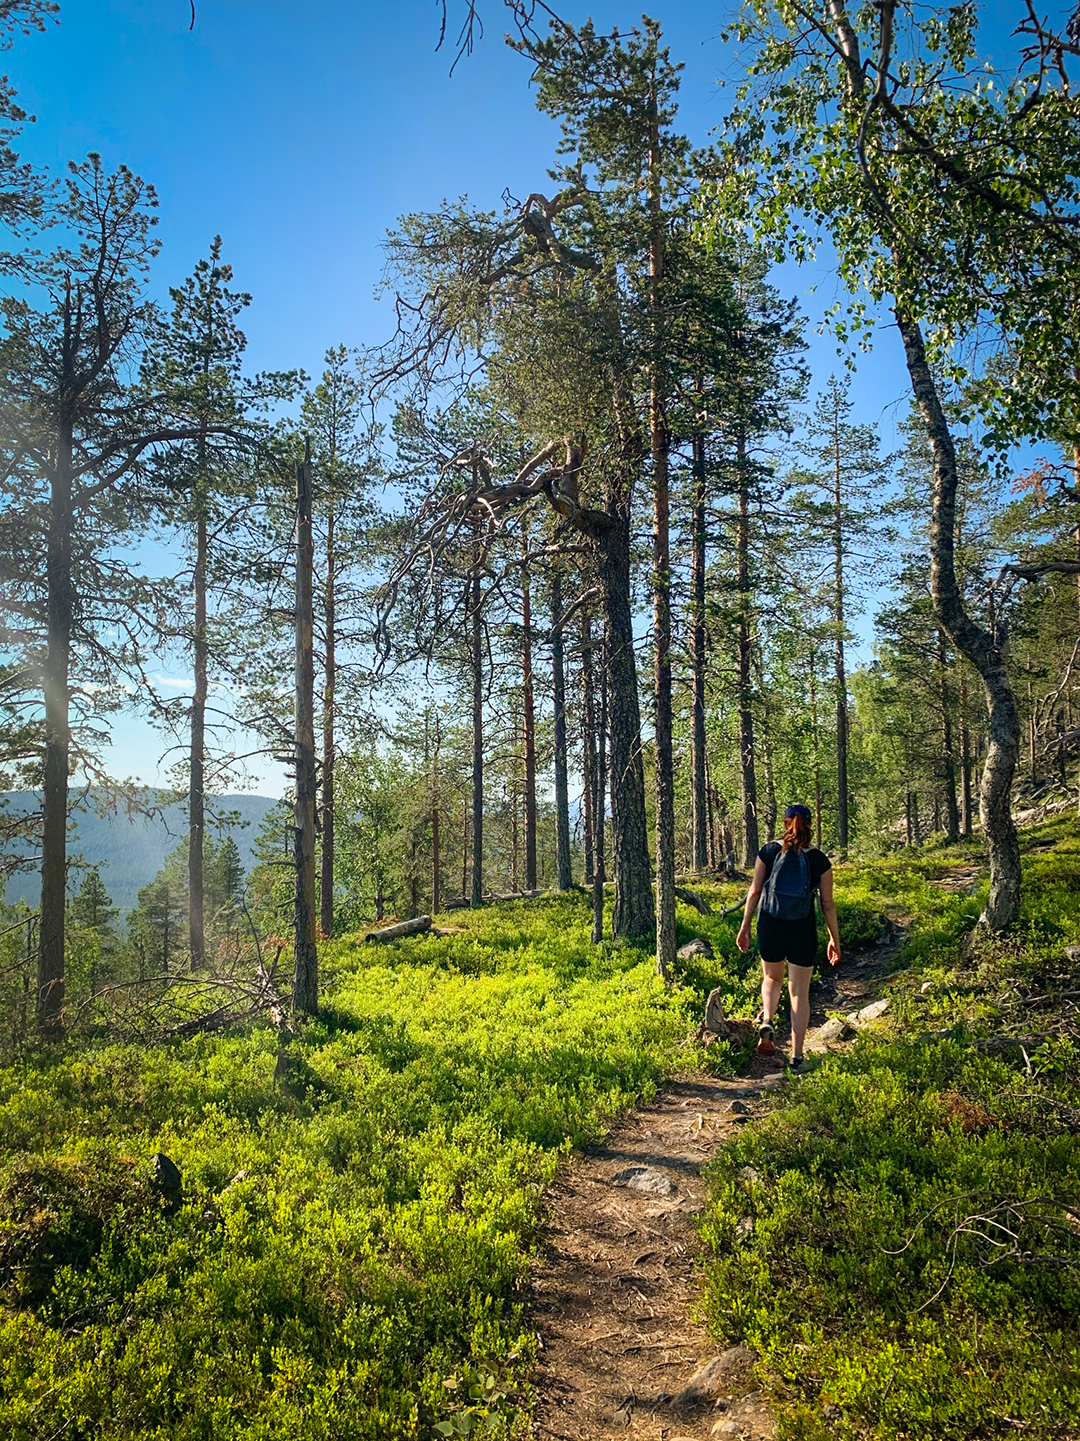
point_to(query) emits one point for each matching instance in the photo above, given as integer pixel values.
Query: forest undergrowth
(911, 1267)
(350, 1251)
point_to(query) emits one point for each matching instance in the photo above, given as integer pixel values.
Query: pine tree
(199, 354)
(92, 918)
(331, 417)
(840, 491)
(82, 433)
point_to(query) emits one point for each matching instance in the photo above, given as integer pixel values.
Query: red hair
(796, 834)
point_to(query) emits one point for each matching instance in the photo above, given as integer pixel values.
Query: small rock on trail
(613, 1294)
(612, 1297)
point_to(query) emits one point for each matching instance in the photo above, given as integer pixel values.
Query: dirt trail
(613, 1296)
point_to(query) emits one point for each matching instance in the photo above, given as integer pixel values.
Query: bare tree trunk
(564, 875)
(465, 855)
(747, 776)
(305, 996)
(983, 648)
(528, 724)
(633, 915)
(814, 737)
(477, 667)
(599, 808)
(197, 755)
(965, 756)
(50, 966)
(699, 803)
(841, 667)
(1076, 482)
(588, 745)
(948, 756)
(767, 767)
(659, 445)
(329, 718)
(436, 862)
(1031, 723)
(436, 856)
(511, 800)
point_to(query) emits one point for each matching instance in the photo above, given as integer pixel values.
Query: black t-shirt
(794, 941)
(817, 860)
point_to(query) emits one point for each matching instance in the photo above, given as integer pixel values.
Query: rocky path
(613, 1298)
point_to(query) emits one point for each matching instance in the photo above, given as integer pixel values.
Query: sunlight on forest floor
(357, 1224)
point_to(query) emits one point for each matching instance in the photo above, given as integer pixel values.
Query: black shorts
(793, 941)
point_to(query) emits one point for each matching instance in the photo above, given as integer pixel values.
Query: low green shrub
(898, 1239)
(354, 1235)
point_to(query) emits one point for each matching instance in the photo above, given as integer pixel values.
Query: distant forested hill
(131, 849)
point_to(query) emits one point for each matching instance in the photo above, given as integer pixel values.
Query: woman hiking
(786, 875)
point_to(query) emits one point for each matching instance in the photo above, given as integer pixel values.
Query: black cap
(801, 811)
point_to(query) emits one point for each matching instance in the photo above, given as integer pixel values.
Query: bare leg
(772, 983)
(799, 991)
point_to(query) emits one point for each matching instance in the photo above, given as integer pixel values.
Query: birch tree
(953, 202)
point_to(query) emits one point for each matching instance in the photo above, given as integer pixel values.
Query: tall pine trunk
(329, 721)
(197, 756)
(436, 861)
(659, 445)
(744, 663)
(588, 747)
(599, 810)
(633, 915)
(699, 781)
(815, 743)
(476, 661)
(51, 937)
(983, 648)
(528, 725)
(433, 801)
(839, 621)
(305, 996)
(563, 874)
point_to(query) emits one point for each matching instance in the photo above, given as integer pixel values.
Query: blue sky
(300, 132)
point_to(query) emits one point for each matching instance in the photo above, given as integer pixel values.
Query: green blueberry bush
(899, 1239)
(349, 1254)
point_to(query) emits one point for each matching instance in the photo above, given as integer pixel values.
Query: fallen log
(415, 927)
(691, 898)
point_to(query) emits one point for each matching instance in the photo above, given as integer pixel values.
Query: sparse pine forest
(535, 610)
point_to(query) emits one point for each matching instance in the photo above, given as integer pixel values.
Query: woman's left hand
(834, 952)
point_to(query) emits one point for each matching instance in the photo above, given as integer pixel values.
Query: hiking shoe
(765, 1045)
(798, 1063)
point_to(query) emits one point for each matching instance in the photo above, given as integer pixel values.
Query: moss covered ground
(912, 1267)
(356, 1223)
(349, 1254)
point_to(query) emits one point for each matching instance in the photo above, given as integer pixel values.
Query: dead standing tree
(469, 270)
(440, 526)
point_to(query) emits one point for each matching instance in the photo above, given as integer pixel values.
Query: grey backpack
(788, 893)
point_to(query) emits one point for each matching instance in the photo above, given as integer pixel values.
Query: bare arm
(828, 910)
(742, 940)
